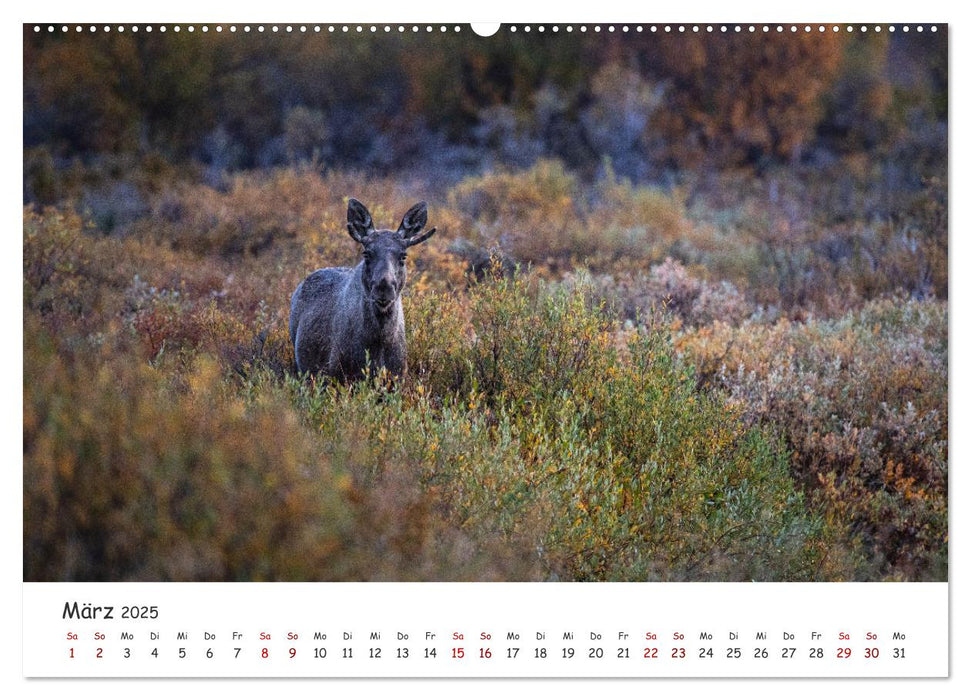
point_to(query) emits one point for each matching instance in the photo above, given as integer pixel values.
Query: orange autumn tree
(741, 97)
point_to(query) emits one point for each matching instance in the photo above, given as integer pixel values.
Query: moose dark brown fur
(345, 320)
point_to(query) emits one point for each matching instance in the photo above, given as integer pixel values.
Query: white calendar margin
(507, 10)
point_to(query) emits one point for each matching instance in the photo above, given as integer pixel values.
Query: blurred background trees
(654, 104)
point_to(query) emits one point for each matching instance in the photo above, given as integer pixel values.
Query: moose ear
(359, 223)
(414, 220)
(420, 239)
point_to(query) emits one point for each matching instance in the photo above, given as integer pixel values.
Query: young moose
(340, 316)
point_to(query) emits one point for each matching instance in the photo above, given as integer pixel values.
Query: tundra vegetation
(673, 326)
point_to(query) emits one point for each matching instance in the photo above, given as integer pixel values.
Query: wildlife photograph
(406, 303)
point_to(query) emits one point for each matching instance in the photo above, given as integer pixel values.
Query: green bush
(624, 470)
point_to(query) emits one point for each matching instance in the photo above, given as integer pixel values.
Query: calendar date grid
(446, 630)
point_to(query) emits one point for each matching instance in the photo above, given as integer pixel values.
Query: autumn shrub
(531, 213)
(636, 223)
(542, 215)
(667, 290)
(253, 215)
(623, 469)
(54, 261)
(862, 403)
(128, 478)
(438, 335)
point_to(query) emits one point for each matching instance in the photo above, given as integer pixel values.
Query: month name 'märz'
(86, 611)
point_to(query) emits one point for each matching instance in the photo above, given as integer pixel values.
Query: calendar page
(447, 350)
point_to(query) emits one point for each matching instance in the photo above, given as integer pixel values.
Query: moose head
(385, 252)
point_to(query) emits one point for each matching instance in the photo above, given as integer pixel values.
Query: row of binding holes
(373, 28)
(289, 28)
(710, 28)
